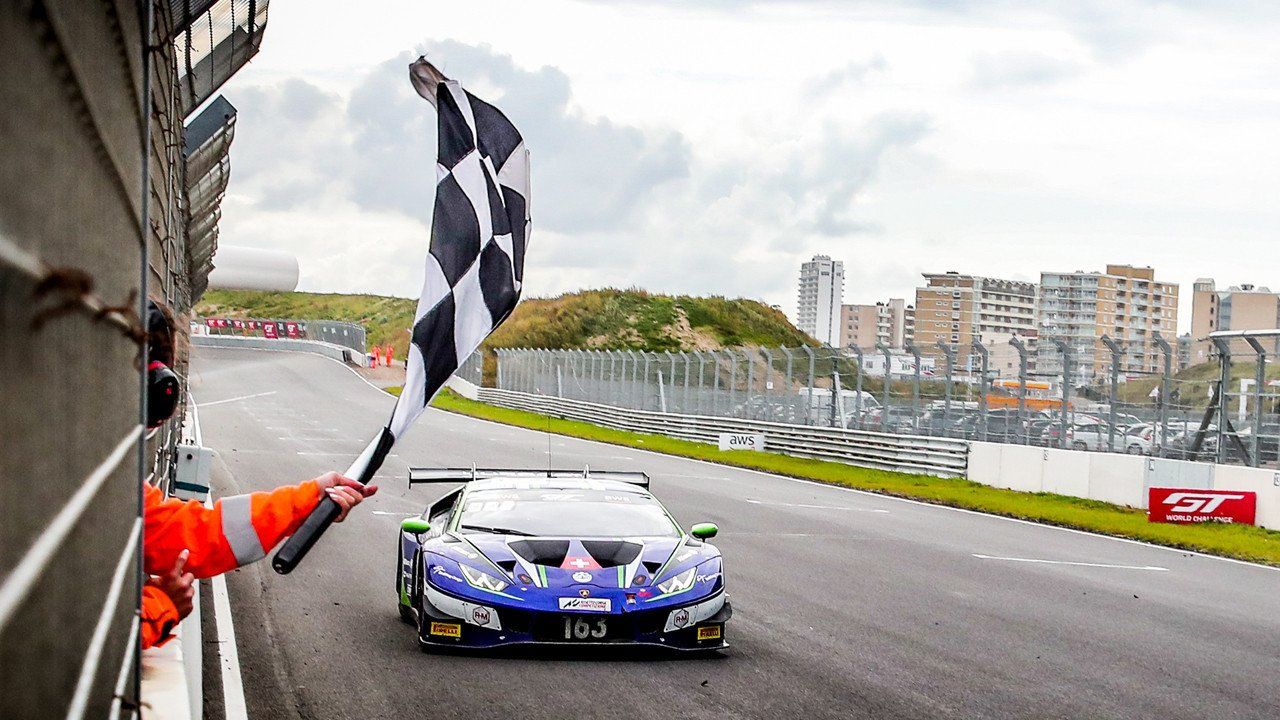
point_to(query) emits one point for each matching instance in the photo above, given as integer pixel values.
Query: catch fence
(1203, 413)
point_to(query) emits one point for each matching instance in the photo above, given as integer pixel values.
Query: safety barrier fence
(934, 456)
(346, 334)
(1108, 477)
(337, 352)
(1226, 409)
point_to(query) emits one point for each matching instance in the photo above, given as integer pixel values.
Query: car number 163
(584, 628)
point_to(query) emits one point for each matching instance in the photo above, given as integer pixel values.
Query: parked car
(1095, 436)
(1001, 426)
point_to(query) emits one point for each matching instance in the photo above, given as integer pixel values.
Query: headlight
(482, 580)
(679, 583)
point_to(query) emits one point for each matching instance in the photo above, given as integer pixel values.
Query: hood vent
(612, 553)
(541, 552)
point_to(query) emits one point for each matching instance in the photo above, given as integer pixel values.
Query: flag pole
(362, 471)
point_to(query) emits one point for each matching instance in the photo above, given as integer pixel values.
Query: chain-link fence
(919, 393)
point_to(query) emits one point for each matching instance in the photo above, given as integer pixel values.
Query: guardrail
(337, 352)
(904, 453)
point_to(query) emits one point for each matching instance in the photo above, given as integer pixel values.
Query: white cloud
(710, 147)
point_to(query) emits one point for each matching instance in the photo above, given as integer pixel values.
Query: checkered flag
(475, 266)
(479, 231)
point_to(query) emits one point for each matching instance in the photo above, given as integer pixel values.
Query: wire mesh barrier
(1203, 413)
(934, 456)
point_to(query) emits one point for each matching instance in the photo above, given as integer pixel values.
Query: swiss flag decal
(580, 563)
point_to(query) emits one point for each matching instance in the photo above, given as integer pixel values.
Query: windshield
(566, 513)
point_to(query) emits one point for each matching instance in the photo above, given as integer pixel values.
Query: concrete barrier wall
(337, 352)
(1114, 478)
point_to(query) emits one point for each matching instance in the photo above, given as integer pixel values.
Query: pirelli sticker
(709, 632)
(451, 630)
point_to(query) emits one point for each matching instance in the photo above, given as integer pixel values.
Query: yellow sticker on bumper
(451, 630)
(710, 632)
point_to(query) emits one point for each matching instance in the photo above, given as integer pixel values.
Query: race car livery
(557, 557)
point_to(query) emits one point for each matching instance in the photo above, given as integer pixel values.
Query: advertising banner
(1197, 505)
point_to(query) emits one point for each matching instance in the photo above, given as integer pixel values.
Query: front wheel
(1135, 450)
(1079, 445)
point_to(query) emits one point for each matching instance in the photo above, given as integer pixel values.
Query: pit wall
(1113, 478)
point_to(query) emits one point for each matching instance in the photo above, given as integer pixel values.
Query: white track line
(228, 653)
(237, 399)
(1068, 562)
(815, 507)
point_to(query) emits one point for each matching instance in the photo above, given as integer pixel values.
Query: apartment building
(1239, 307)
(891, 323)
(821, 293)
(1126, 303)
(957, 309)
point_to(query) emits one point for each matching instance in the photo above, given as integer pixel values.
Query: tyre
(1079, 445)
(406, 611)
(1135, 449)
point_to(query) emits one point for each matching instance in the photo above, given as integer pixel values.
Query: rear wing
(419, 476)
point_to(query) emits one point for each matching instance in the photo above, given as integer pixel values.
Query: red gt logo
(1194, 505)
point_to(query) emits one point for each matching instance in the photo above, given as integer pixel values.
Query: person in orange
(184, 540)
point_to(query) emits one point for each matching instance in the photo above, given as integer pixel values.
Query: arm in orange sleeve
(236, 531)
(159, 617)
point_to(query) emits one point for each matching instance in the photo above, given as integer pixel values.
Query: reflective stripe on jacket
(236, 531)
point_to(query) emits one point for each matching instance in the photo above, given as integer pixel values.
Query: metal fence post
(644, 384)
(888, 380)
(808, 410)
(788, 397)
(985, 355)
(715, 384)
(633, 392)
(1259, 381)
(1116, 350)
(1167, 355)
(702, 383)
(915, 389)
(684, 403)
(769, 414)
(662, 392)
(950, 356)
(750, 411)
(837, 399)
(857, 388)
(1224, 382)
(1067, 369)
(613, 375)
(1021, 347)
(732, 382)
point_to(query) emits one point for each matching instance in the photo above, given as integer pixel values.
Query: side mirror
(704, 531)
(414, 525)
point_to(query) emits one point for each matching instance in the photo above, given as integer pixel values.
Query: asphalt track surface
(847, 605)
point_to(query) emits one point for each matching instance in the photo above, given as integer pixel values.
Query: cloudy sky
(710, 146)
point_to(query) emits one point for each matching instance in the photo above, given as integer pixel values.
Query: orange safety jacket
(236, 531)
(159, 616)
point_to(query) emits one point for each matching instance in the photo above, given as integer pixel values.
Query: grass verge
(1237, 541)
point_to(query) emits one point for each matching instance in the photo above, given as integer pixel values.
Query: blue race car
(520, 556)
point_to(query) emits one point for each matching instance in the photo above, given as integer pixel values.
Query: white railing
(905, 453)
